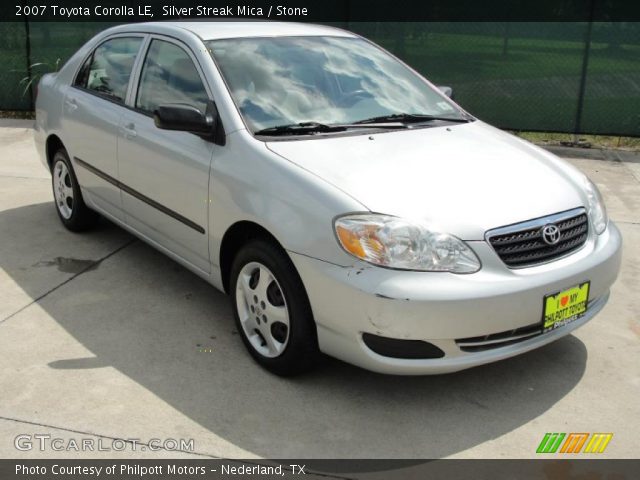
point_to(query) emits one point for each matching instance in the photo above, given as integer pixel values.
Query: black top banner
(324, 11)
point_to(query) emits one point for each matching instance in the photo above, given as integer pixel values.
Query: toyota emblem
(550, 234)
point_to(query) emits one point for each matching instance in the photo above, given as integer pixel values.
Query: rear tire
(72, 211)
(272, 310)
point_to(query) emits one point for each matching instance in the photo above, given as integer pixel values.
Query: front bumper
(440, 308)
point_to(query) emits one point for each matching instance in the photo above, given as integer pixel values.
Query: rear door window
(108, 70)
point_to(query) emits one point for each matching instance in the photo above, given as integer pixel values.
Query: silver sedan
(346, 205)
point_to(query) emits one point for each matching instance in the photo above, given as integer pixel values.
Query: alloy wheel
(63, 189)
(262, 310)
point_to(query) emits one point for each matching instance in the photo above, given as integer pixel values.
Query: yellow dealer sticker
(565, 306)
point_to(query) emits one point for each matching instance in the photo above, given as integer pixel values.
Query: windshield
(280, 81)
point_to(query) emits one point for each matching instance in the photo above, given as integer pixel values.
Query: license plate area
(565, 306)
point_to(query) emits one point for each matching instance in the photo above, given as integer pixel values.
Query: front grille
(522, 245)
(496, 340)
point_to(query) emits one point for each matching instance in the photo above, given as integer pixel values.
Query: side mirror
(186, 118)
(448, 91)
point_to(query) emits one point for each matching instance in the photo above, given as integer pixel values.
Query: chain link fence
(569, 77)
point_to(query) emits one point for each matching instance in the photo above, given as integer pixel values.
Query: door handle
(70, 104)
(129, 130)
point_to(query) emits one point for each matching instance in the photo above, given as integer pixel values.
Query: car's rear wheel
(73, 212)
(272, 310)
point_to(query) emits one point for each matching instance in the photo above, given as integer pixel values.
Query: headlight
(396, 243)
(596, 208)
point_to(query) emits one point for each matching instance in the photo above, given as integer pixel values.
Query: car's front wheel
(272, 311)
(73, 212)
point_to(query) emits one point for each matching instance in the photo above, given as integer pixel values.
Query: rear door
(165, 174)
(92, 111)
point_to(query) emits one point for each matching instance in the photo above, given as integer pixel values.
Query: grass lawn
(596, 141)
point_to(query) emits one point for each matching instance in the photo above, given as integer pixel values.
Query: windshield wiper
(409, 118)
(300, 129)
(310, 128)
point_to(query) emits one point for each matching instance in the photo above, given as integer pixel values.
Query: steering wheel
(353, 97)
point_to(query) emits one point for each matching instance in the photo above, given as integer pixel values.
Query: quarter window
(169, 76)
(108, 70)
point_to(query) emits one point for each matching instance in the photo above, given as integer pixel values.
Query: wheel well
(234, 239)
(53, 145)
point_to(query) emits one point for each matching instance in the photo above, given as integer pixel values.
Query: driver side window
(169, 76)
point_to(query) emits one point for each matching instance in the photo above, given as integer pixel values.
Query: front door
(164, 174)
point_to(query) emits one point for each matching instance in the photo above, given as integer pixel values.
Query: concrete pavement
(102, 337)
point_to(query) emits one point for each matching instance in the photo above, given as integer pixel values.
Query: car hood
(463, 179)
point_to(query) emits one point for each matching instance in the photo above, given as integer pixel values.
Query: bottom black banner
(339, 469)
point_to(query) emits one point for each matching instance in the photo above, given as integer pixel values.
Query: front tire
(72, 211)
(272, 310)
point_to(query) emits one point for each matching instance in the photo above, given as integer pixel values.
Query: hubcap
(62, 189)
(262, 310)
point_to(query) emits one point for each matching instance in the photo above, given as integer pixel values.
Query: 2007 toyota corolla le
(345, 204)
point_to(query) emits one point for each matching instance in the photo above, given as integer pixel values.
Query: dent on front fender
(350, 297)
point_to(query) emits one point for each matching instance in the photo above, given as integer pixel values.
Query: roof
(212, 30)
